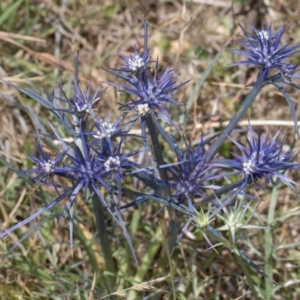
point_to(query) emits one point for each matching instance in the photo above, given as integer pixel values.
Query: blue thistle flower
(190, 176)
(263, 50)
(134, 64)
(107, 130)
(79, 104)
(115, 162)
(153, 92)
(87, 171)
(81, 101)
(84, 169)
(46, 167)
(138, 62)
(262, 157)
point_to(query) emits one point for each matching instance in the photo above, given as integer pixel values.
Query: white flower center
(112, 163)
(143, 109)
(135, 62)
(247, 166)
(264, 34)
(48, 166)
(109, 129)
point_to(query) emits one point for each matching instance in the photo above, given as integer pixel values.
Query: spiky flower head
(137, 62)
(190, 176)
(134, 64)
(105, 129)
(46, 166)
(262, 157)
(80, 103)
(153, 93)
(264, 50)
(236, 219)
(151, 89)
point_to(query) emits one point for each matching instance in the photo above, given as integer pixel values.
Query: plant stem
(245, 105)
(157, 149)
(269, 243)
(104, 241)
(247, 273)
(146, 263)
(174, 226)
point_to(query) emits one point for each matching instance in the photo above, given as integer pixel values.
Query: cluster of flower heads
(93, 160)
(96, 159)
(151, 88)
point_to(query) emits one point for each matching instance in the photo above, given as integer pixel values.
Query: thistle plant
(190, 178)
(265, 52)
(96, 161)
(262, 157)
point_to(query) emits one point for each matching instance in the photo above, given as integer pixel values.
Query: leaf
(9, 12)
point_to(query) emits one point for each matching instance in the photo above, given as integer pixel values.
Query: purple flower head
(79, 105)
(83, 167)
(136, 63)
(81, 101)
(289, 73)
(153, 93)
(46, 167)
(263, 50)
(262, 157)
(152, 90)
(190, 176)
(105, 129)
(115, 162)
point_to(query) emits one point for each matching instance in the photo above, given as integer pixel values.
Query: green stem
(245, 105)
(104, 241)
(147, 262)
(157, 149)
(241, 259)
(247, 273)
(174, 226)
(269, 243)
